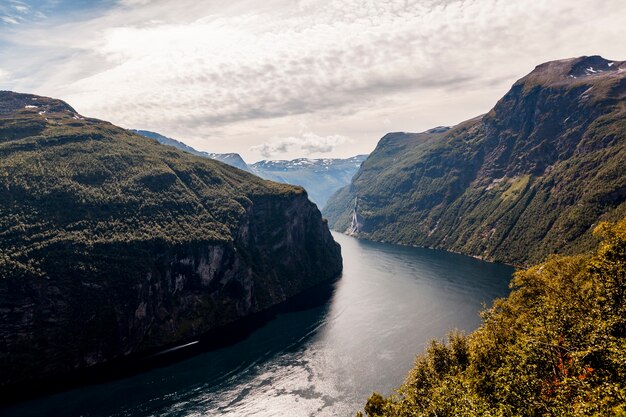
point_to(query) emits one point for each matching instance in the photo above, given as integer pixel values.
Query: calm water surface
(323, 361)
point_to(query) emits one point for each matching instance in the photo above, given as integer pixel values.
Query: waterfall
(354, 225)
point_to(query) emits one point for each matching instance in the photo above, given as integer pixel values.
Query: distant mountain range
(233, 159)
(530, 178)
(320, 177)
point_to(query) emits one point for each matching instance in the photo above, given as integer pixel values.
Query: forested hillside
(112, 244)
(531, 177)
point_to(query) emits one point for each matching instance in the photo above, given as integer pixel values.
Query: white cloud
(22, 8)
(308, 144)
(225, 76)
(19, 6)
(9, 19)
(134, 2)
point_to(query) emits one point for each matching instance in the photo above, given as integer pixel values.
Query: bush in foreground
(556, 346)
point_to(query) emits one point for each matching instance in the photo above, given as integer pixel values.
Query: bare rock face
(112, 245)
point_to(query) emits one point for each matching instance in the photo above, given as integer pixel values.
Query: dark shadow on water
(335, 344)
(204, 360)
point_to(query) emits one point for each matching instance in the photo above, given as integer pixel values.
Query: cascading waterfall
(353, 230)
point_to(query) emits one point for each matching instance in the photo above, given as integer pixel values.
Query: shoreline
(136, 363)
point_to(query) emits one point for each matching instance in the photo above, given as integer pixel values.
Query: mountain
(320, 177)
(233, 159)
(530, 178)
(111, 244)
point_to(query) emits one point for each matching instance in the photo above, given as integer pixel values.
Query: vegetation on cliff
(555, 347)
(111, 243)
(69, 180)
(528, 179)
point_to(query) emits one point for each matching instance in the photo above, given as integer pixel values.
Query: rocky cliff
(527, 179)
(111, 244)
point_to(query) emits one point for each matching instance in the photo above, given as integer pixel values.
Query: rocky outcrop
(56, 325)
(101, 261)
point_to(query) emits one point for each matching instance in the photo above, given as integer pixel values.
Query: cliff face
(113, 245)
(527, 179)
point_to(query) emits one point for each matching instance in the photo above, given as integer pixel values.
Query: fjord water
(322, 361)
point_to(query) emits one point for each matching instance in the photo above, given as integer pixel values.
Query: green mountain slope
(112, 244)
(555, 347)
(527, 179)
(233, 159)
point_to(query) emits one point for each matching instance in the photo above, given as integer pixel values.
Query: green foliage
(375, 405)
(112, 244)
(555, 347)
(69, 184)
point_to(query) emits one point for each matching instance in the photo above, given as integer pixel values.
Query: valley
(325, 359)
(140, 276)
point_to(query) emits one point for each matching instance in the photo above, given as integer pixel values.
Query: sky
(281, 79)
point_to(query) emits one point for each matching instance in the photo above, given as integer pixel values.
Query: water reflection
(324, 360)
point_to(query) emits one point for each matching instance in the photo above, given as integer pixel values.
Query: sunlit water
(323, 361)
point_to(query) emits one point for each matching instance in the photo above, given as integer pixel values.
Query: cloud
(21, 8)
(10, 20)
(308, 143)
(219, 73)
(134, 3)
(226, 69)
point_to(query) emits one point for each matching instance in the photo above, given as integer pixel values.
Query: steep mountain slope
(320, 177)
(112, 244)
(527, 179)
(233, 159)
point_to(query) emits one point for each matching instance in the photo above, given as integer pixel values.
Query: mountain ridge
(230, 158)
(321, 177)
(528, 178)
